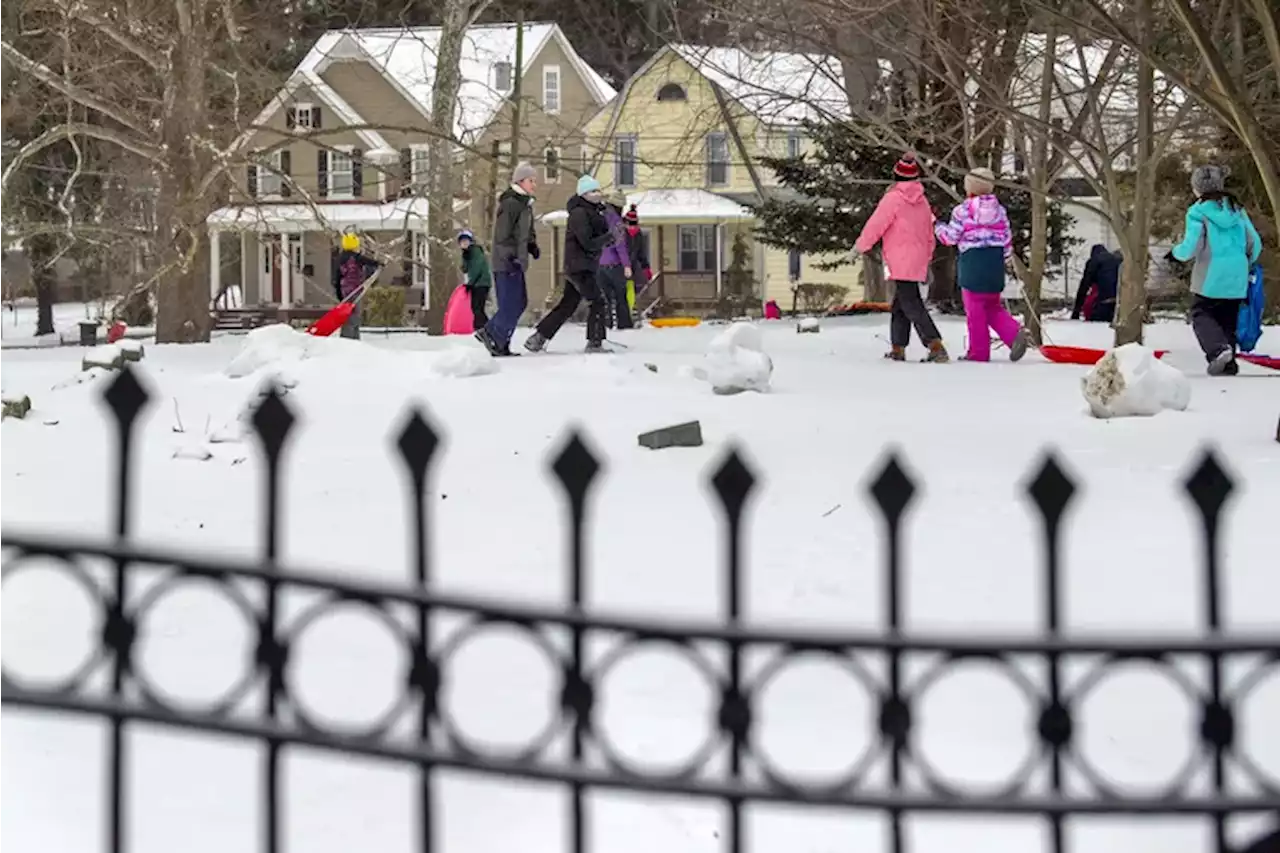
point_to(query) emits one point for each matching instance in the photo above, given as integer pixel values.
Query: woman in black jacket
(586, 235)
(1101, 278)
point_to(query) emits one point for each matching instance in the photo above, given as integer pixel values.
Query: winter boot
(1232, 368)
(937, 353)
(482, 335)
(594, 347)
(1218, 364)
(1019, 346)
(896, 354)
(535, 342)
(505, 352)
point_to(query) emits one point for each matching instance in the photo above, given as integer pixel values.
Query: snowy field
(969, 433)
(18, 323)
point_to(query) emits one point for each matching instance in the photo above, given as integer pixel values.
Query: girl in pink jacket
(903, 225)
(980, 227)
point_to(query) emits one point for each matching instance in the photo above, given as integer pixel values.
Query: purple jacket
(977, 222)
(615, 254)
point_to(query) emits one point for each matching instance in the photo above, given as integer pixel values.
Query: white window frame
(299, 110)
(297, 253)
(511, 76)
(419, 162)
(350, 172)
(271, 174)
(723, 139)
(547, 176)
(706, 240)
(420, 245)
(795, 145)
(635, 160)
(549, 92)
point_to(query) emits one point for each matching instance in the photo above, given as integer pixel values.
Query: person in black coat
(1101, 278)
(586, 235)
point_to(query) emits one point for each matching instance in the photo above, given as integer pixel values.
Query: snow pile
(736, 360)
(278, 344)
(461, 362)
(1130, 381)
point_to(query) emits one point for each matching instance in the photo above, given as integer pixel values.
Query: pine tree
(835, 188)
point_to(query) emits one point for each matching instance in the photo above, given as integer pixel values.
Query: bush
(818, 298)
(383, 307)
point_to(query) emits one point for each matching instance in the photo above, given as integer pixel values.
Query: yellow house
(683, 141)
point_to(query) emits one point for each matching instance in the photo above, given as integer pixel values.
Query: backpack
(1249, 323)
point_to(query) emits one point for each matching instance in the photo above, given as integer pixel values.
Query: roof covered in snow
(407, 56)
(780, 88)
(292, 217)
(677, 205)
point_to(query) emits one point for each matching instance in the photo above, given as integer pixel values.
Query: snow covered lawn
(969, 433)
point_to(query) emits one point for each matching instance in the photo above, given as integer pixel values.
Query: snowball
(461, 362)
(808, 325)
(736, 360)
(1130, 381)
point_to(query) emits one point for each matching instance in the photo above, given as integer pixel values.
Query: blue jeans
(513, 299)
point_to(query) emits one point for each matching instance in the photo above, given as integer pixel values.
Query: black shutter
(291, 117)
(357, 173)
(286, 172)
(251, 180)
(315, 118)
(322, 173)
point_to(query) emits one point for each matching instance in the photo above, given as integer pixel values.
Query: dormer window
(502, 74)
(303, 117)
(672, 92)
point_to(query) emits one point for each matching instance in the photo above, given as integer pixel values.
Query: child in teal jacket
(1224, 245)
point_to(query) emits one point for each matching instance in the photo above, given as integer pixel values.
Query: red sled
(1270, 361)
(1080, 355)
(337, 316)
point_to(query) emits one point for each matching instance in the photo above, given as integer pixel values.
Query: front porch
(286, 250)
(690, 233)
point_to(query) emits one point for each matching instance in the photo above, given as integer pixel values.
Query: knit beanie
(1209, 178)
(907, 169)
(631, 217)
(981, 181)
(587, 184)
(523, 172)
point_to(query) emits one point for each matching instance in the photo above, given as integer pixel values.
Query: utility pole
(517, 82)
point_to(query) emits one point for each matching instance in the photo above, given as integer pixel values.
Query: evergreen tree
(834, 190)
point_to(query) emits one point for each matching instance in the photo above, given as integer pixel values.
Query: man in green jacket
(475, 267)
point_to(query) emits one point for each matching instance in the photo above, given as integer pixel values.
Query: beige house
(683, 141)
(343, 146)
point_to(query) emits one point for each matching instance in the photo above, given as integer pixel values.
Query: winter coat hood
(912, 192)
(578, 201)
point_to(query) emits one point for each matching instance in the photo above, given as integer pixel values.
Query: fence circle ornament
(572, 748)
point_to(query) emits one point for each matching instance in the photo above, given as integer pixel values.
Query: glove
(515, 265)
(534, 251)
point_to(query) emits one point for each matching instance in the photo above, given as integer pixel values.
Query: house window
(717, 159)
(795, 148)
(502, 76)
(341, 173)
(672, 92)
(420, 244)
(295, 252)
(793, 265)
(624, 161)
(551, 166)
(551, 89)
(418, 159)
(271, 183)
(303, 117)
(697, 248)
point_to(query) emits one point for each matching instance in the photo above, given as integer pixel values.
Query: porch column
(719, 258)
(285, 260)
(215, 266)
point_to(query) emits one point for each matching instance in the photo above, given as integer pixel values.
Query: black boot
(482, 335)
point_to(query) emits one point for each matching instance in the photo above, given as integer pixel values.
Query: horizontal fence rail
(893, 777)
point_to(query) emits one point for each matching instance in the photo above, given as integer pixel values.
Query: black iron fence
(731, 769)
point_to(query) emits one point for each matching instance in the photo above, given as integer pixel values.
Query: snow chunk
(1131, 382)
(109, 356)
(808, 325)
(280, 344)
(736, 360)
(461, 362)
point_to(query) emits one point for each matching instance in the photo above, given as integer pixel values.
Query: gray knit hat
(524, 170)
(1209, 178)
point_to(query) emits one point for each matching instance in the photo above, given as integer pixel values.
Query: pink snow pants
(983, 310)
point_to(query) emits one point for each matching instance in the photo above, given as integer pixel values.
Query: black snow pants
(1214, 323)
(908, 310)
(578, 286)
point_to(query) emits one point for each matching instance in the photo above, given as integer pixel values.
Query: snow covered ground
(18, 323)
(970, 433)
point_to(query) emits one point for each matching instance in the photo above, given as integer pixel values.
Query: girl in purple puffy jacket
(979, 226)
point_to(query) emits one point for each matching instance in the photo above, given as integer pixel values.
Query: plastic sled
(672, 322)
(1080, 355)
(1270, 361)
(458, 319)
(332, 320)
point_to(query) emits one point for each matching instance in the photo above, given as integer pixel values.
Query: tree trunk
(1039, 173)
(1131, 304)
(444, 99)
(874, 287)
(41, 251)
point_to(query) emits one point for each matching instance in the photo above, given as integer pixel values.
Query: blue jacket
(1224, 245)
